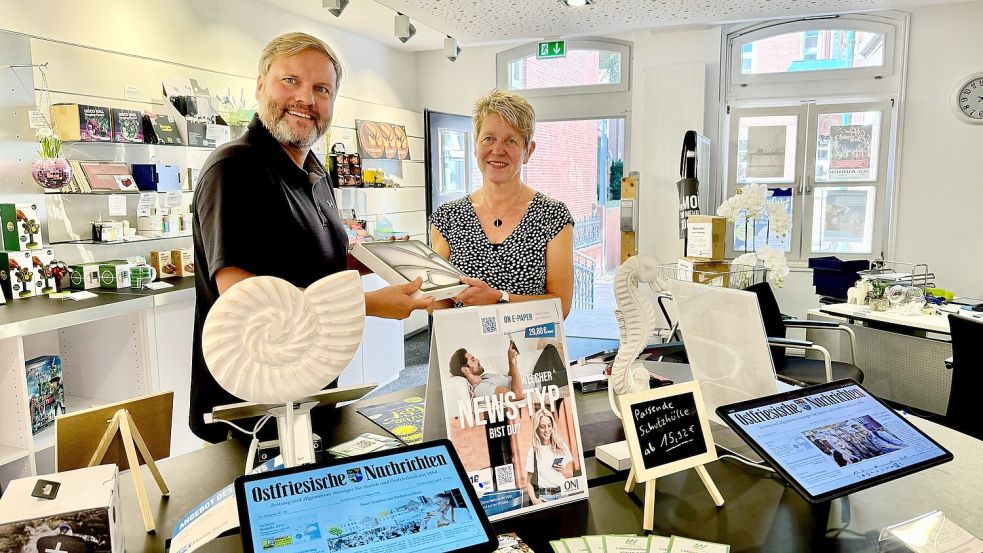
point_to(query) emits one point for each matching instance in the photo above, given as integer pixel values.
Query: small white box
(402, 261)
(87, 502)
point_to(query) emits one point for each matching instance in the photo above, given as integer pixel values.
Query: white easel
(639, 473)
(122, 422)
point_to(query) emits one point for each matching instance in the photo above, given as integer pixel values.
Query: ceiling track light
(576, 3)
(335, 6)
(404, 30)
(451, 48)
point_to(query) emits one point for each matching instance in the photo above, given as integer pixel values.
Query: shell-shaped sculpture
(266, 341)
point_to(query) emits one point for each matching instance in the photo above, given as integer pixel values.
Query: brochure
(212, 517)
(364, 443)
(508, 406)
(403, 419)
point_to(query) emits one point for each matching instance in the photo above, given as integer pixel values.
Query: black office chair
(800, 369)
(967, 377)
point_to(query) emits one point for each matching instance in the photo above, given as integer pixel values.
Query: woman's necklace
(498, 220)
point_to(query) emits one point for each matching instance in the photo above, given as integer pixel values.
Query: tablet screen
(832, 439)
(404, 500)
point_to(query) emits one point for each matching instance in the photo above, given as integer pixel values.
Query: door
(451, 167)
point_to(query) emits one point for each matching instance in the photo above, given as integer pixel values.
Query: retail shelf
(11, 454)
(46, 438)
(41, 314)
(110, 192)
(105, 143)
(130, 240)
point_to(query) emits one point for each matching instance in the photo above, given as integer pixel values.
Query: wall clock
(967, 99)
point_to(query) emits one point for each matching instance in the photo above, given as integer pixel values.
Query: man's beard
(274, 118)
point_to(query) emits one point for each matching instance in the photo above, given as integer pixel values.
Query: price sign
(667, 430)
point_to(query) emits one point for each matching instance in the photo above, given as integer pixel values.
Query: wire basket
(715, 273)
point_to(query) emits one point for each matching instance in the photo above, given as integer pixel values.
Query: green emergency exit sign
(552, 49)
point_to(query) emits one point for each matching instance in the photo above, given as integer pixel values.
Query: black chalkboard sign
(667, 430)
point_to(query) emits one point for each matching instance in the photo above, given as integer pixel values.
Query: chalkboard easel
(667, 431)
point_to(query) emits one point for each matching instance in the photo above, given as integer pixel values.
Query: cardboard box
(114, 274)
(87, 502)
(705, 237)
(43, 281)
(21, 227)
(184, 262)
(162, 262)
(77, 122)
(83, 277)
(17, 275)
(713, 273)
(127, 125)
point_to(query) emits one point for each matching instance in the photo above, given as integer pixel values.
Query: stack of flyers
(635, 544)
(365, 443)
(511, 543)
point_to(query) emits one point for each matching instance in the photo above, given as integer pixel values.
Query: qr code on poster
(505, 477)
(489, 325)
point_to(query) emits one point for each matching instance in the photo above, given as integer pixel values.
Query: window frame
(504, 59)
(834, 23)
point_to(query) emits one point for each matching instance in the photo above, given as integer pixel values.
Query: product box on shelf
(83, 276)
(21, 226)
(705, 237)
(45, 391)
(161, 260)
(74, 122)
(127, 125)
(156, 177)
(114, 274)
(166, 129)
(17, 276)
(184, 262)
(41, 261)
(714, 273)
(83, 511)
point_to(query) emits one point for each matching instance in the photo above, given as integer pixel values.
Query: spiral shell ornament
(266, 341)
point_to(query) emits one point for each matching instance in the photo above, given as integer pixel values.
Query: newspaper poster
(766, 152)
(849, 151)
(508, 405)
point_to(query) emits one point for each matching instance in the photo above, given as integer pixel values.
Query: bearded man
(264, 204)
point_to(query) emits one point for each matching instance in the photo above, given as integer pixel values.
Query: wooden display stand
(130, 434)
(75, 433)
(648, 511)
(667, 432)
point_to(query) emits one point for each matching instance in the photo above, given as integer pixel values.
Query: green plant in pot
(878, 296)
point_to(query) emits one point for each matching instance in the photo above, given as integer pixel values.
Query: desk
(902, 357)
(761, 514)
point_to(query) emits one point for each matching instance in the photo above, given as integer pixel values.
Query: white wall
(941, 189)
(225, 35)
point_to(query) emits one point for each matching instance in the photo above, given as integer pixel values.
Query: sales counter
(761, 512)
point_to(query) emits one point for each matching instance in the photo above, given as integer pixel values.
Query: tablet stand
(122, 422)
(293, 419)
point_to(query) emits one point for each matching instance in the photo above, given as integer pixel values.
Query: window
(824, 163)
(589, 66)
(805, 117)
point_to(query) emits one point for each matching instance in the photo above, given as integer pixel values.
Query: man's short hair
(459, 360)
(292, 44)
(512, 108)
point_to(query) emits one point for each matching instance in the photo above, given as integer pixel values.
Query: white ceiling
(476, 22)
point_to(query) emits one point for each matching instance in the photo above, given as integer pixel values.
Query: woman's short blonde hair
(292, 44)
(514, 109)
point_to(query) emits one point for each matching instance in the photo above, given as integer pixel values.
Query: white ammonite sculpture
(266, 341)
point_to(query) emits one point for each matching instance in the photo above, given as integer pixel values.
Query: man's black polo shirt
(255, 209)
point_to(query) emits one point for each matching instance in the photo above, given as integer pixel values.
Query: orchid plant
(751, 203)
